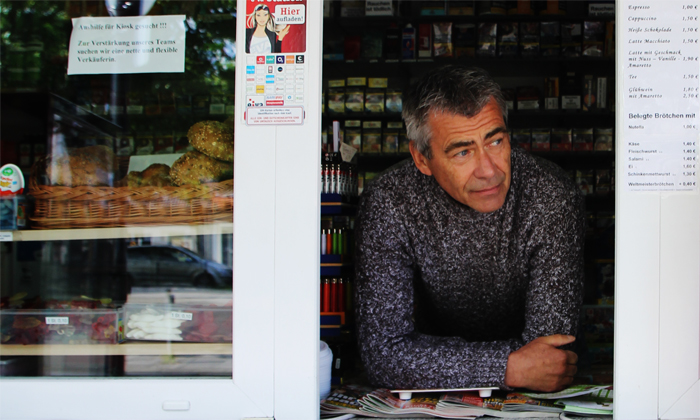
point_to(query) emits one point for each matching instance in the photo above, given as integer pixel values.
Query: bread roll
(195, 168)
(85, 166)
(213, 138)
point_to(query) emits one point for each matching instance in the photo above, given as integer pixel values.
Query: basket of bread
(84, 187)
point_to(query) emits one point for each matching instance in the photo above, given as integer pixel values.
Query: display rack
(116, 233)
(125, 349)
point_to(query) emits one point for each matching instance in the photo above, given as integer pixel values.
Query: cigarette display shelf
(123, 349)
(116, 232)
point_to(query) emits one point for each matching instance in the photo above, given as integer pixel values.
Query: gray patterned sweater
(444, 294)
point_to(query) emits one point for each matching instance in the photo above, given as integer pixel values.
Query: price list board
(661, 109)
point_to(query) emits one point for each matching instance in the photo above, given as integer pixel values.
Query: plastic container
(325, 363)
(167, 322)
(59, 326)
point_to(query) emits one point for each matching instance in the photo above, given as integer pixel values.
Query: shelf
(117, 232)
(125, 349)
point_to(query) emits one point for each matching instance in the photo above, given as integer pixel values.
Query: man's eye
(463, 153)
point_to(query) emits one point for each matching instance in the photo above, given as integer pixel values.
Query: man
(469, 258)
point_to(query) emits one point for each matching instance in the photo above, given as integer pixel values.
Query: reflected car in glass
(174, 266)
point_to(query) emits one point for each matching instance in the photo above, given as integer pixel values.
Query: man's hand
(541, 366)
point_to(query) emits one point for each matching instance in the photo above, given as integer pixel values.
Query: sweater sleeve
(555, 292)
(395, 355)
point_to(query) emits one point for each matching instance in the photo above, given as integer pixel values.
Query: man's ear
(420, 160)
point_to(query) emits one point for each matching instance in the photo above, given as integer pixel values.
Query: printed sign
(123, 45)
(275, 26)
(56, 320)
(275, 116)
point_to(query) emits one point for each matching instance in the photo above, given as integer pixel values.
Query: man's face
(471, 157)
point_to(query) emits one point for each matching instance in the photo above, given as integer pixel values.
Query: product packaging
(408, 42)
(487, 7)
(167, 322)
(487, 37)
(433, 7)
(593, 38)
(371, 136)
(336, 101)
(528, 98)
(571, 39)
(602, 92)
(509, 96)
(522, 138)
(507, 39)
(585, 180)
(354, 99)
(372, 44)
(442, 41)
(403, 141)
(582, 139)
(603, 139)
(352, 47)
(602, 181)
(425, 40)
(529, 33)
(589, 92)
(392, 43)
(550, 39)
(520, 7)
(571, 91)
(540, 139)
(551, 93)
(464, 38)
(391, 137)
(561, 140)
(394, 101)
(374, 100)
(460, 8)
(61, 326)
(353, 134)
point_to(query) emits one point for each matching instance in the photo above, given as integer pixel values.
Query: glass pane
(116, 257)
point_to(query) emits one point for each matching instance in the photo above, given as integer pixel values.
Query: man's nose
(484, 165)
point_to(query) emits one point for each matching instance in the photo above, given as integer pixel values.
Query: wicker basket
(58, 207)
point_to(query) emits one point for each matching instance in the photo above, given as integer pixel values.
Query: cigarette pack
(403, 141)
(560, 140)
(464, 38)
(570, 39)
(602, 92)
(442, 41)
(571, 91)
(529, 39)
(392, 43)
(336, 101)
(582, 139)
(372, 43)
(374, 100)
(408, 42)
(354, 99)
(394, 102)
(593, 38)
(433, 8)
(551, 93)
(352, 47)
(522, 137)
(391, 137)
(333, 47)
(528, 98)
(520, 7)
(589, 96)
(602, 181)
(487, 37)
(540, 139)
(585, 180)
(550, 7)
(492, 7)
(371, 136)
(424, 40)
(507, 39)
(603, 138)
(509, 96)
(550, 39)
(609, 39)
(460, 8)
(353, 134)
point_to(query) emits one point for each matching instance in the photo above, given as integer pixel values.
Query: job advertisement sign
(122, 45)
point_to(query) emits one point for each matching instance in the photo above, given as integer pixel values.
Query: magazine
(369, 402)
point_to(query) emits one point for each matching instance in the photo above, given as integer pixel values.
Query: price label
(56, 320)
(185, 316)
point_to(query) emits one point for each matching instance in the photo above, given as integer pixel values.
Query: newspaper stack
(367, 402)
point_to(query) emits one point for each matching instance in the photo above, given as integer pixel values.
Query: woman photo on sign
(262, 36)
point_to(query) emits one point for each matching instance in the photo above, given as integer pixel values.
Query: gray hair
(450, 89)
